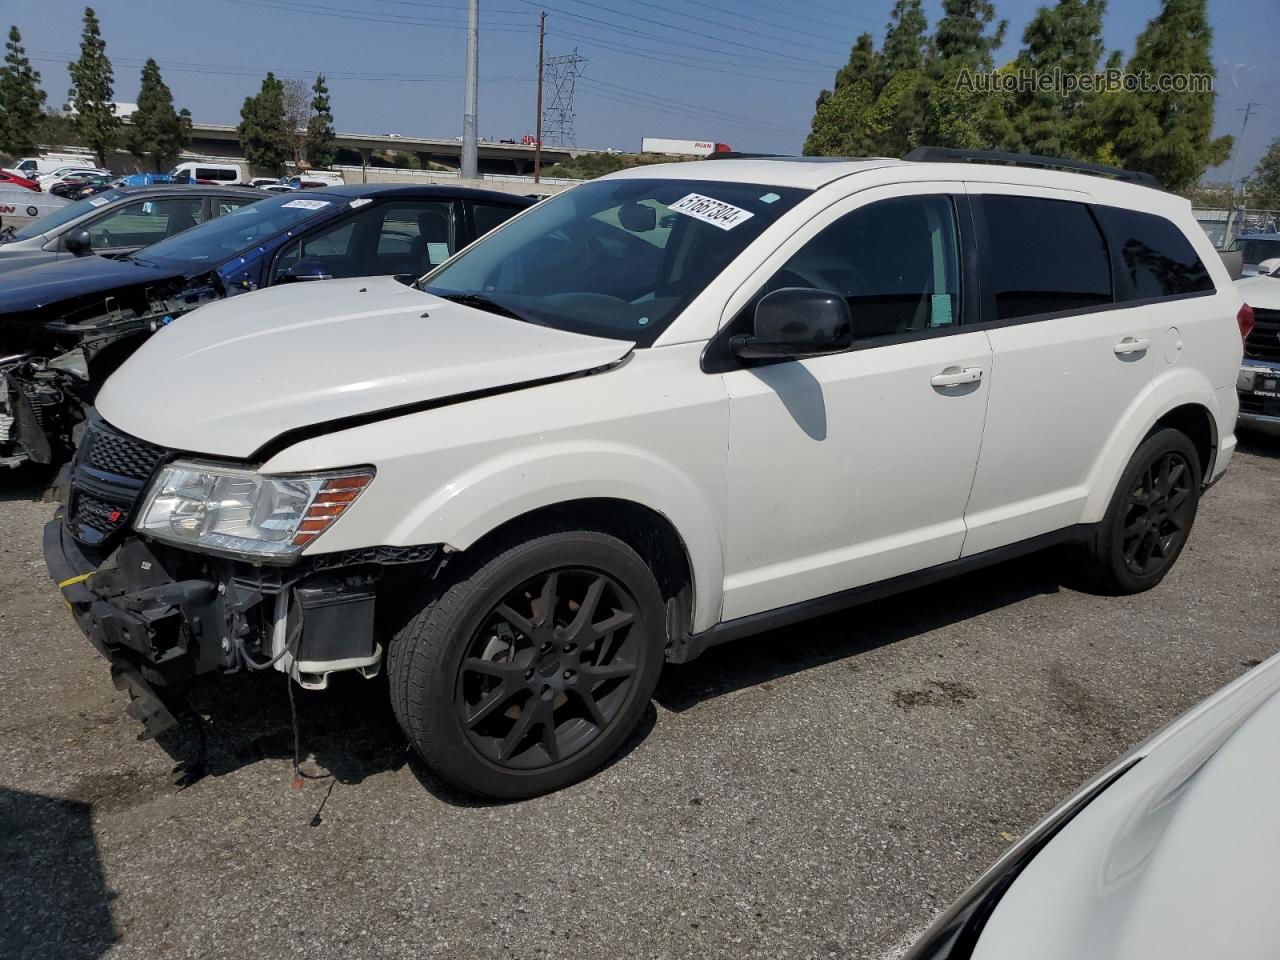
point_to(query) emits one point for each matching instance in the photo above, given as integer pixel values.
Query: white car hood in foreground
(1179, 859)
(235, 374)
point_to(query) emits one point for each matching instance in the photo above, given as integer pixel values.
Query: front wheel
(531, 668)
(1150, 516)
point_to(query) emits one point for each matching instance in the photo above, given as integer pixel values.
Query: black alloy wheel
(1150, 516)
(1159, 514)
(529, 664)
(549, 668)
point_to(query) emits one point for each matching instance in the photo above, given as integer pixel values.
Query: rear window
(1157, 258)
(1045, 256)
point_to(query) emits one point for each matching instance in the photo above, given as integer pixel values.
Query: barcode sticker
(710, 210)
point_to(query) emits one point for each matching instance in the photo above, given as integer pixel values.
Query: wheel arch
(1184, 400)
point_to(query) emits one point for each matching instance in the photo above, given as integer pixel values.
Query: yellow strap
(70, 580)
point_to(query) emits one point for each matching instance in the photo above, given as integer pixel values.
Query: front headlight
(1245, 379)
(241, 512)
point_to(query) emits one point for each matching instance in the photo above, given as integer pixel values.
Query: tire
(1150, 516)
(502, 702)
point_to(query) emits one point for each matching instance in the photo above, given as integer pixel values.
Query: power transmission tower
(562, 75)
(1247, 110)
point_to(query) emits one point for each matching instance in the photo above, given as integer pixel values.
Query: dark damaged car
(66, 326)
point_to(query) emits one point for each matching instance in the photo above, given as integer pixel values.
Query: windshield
(613, 258)
(66, 214)
(1257, 249)
(223, 237)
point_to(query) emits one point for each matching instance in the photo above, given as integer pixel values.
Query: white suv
(657, 412)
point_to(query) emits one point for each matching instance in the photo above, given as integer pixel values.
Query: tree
(320, 135)
(905, 43)
(1167, 132)
(21, 99)
(92, 89)
(960, 38)
(262, 132)
(840, 126)
(297, 117)
(1066, 37)
(158, 132)
(1264, 185)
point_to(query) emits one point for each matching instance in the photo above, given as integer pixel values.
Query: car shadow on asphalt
(25, 482)
(348, 733)
(54, 897)
(1258, 444)
(850, 633)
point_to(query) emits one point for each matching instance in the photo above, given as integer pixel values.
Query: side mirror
(306, 270)
(1269, 267)
(78, 242)
(796, 322)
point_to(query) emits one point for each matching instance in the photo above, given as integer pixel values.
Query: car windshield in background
(1257, 249)
(66, 214)
(223, 237)
(614, 258)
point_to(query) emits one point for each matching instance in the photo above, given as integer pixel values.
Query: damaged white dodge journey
(658, 412)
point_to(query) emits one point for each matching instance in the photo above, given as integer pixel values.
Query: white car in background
(1171, 853)
(1259, 381)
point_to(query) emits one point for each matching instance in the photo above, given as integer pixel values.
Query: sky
(742, 72)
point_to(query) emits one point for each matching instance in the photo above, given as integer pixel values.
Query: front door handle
(1131, 345)
(956, 376)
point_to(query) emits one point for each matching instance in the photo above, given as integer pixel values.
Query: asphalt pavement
(820, 791)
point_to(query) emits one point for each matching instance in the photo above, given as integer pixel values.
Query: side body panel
(653, 431)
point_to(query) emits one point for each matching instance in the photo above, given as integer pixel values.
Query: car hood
(32, 287)
(1261, 293)
(1178, 859)
(236, 374)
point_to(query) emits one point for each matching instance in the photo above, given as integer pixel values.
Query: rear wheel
(1150, 516)
(532, 667)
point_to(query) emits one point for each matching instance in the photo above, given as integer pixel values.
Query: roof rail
(955, 155)
(738, 155)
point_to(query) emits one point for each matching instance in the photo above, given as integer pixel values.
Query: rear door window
(1156, 258)
(489, 215)
(1042, 257)
(145, 222)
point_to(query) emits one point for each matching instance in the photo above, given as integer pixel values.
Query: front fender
(502, 488)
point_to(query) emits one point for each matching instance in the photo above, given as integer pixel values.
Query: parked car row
(68, 317)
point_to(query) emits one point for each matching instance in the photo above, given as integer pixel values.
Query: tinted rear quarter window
(1156, 257)
(1043, 256)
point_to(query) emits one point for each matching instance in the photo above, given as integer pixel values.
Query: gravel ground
(821, 791)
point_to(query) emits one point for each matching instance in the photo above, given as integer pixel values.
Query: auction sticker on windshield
(307, 204)
(710, 210)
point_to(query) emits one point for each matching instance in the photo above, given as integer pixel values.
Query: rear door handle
(955, 376)
(1131, 345)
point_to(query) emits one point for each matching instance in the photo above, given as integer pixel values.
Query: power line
(720, 23)
(682, 31)
(657, 58)
(670, 102)
(747, 16)
(290, 6)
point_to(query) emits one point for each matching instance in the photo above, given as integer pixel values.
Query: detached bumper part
(158, 631)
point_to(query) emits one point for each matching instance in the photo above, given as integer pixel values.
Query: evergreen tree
(840, 122)
(1167, 133)
(1264, 185)
(92, 90)
(956, 115)
(905, 43)
(158, 132)
(961, 38)
(262, 131)
(320, 135)
(21, 99)
(1065, 37)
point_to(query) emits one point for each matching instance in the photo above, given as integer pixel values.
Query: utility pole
(1247, 109)
(537, 137)
(470, 149)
